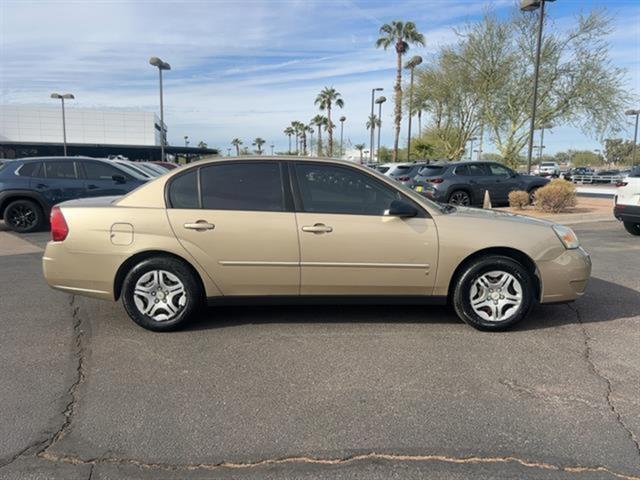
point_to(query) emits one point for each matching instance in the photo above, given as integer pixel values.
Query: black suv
(29, 187)
(464, 183)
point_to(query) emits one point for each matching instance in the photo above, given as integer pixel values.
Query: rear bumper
(627, 213)
(565, 277)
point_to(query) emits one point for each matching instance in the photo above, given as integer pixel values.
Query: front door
(239, 229)
(503, 179)
(99, 179)
(348, 246)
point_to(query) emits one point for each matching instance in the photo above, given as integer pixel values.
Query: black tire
(193, 295)
(462, 293)
(632, 227)
(24, 216)
(459, 197)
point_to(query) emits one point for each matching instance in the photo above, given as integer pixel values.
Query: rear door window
(499, 170)
(60, 170)
(101, 171)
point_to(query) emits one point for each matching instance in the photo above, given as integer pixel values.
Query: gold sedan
(267, 229)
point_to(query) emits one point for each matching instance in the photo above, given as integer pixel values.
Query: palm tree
(326, 98)
(288, 132)
(258, 142)
(373, 122)
(236, 142)
(400, 35)
(360, 147)
(320, 121)
(202, 144)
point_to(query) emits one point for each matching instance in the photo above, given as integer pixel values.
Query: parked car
(282, 229)
(29, 187)
(579, 172)
(607, 176)
(154, 168)
(167, 165)
(549, 169)
(402, 172)
(464, 183)
(627, 202)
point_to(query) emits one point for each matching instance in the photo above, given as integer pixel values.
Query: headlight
(568, 238)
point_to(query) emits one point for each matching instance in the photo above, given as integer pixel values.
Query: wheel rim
(160, 295)
(460, 198)
(21, 217)
(496, 296)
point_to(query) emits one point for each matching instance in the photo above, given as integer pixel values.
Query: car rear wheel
(493, 293)
(632, 227)
(24, 216)
(460, 197)
(532, 194)
(161, 293)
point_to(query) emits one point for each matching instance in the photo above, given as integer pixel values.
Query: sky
(247, 68)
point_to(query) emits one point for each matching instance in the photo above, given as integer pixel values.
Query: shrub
(556, 196)
(518, 199)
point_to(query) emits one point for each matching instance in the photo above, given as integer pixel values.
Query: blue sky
(246, 68)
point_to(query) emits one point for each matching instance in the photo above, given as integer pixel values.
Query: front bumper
(627, 213)
(565, 277)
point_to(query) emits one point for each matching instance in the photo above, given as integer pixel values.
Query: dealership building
(28, 131)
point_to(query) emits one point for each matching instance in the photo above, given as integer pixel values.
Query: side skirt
(328, 300)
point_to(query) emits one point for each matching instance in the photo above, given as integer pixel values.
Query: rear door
(60, 181)
(348, 246)
(236, 220)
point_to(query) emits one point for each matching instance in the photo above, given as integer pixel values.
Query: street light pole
(373, 92)
(411, 65)
(472, 139)
(527, 6)
(161, 65)
(635, 135)
(380, 101)
(541, 148)
(186, 140)
(342, 119)
(68, 96)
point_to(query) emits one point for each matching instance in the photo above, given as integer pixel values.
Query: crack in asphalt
(303, 459)
(542, 394)
(595, 371)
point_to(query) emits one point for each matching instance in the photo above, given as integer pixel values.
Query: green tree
(289, 132)
(328, 97)
(360, 148)
(619, 151)
(319, 121)
(399, 35)
(202, 144)
(236, 142)
(492, 157)
(578, 84)
(258, 142)
(586, 158)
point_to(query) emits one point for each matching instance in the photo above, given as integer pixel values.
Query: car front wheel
(632, 227)
(161, 293)
(24, 216)
(493, 293)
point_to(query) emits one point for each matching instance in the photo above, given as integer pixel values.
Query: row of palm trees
(397, 34)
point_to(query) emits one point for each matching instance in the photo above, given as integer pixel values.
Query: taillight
(435, 180)
(59, 227)
(404, 179)
(620, 183)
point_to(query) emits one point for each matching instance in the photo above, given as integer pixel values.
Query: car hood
(490, 214)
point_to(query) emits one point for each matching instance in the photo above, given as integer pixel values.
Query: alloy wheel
(21, 217)
(460, 198)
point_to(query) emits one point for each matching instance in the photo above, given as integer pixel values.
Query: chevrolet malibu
(269, 229)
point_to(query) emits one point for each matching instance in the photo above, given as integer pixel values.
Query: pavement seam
(391, 457)
(595, 371)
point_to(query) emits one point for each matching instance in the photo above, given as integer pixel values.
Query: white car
(549, 169)
(627, 202)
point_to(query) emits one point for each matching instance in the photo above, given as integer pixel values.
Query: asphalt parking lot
(320, 392)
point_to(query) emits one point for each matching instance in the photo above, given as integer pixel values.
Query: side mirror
(401, 209)
(119, 178)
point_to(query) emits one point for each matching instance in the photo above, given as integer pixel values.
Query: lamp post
(411, 65)
(472, 139)
(228, 152)
(380, 100)
(373, 92)
(161, 65)
(186, 140)
(635, 135)
(271, 149)
(342, 120)
(66, 96)
(541, 148)
(529, 6)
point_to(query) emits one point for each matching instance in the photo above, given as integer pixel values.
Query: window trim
(299, 207)
(287, 205)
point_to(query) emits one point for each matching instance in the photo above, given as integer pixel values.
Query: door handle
(200, 226)
(317, 228)
(41, 185)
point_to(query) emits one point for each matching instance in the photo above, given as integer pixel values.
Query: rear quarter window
(30, 169)
(183, 191)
